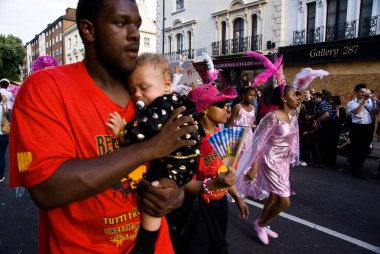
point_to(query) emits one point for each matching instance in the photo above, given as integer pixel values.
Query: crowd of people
(131, 169)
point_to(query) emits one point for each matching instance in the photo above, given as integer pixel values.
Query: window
(254, 37)
(238, 34)
(336, 19)
(179, 38)
(179, 4)
(365, 18)
(146, 42)
(60, 37)
(189, 42)
(239, 28)
(76, 39)
(224, 38)
(254, 25)
(69, 43)
(170, 44)
(189, 45)
(56, 38)
(311, 7)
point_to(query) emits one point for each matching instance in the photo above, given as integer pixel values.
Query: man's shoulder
(351, 102)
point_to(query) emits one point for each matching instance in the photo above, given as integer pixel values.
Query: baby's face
(146, 83)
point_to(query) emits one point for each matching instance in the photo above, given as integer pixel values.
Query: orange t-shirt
(209, 166)
(60, 114)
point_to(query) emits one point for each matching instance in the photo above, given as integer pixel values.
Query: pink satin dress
(276, 146)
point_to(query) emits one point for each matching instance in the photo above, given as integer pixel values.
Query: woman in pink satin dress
(275, 148)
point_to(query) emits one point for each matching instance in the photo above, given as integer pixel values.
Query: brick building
(49, 42)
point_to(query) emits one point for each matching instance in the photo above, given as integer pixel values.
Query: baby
(149, 85)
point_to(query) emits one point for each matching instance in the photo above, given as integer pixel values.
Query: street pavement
(328, 199)
(331, 212)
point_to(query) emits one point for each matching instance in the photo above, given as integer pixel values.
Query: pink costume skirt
(272, 176)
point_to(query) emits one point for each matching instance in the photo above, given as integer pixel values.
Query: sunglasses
(219, 104)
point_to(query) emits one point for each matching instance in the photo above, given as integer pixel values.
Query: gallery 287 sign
(345, 50)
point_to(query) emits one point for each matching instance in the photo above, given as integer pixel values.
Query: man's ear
(87, 29)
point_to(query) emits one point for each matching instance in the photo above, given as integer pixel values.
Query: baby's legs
(150, 223)
(148, 234)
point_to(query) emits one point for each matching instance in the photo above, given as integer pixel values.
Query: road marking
(347, 238)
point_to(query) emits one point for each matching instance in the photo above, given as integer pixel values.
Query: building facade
(225, 30)
(147, 30)
(74, 48)
(62, 41)
(304, 31)
(339, 36)
(49, 42)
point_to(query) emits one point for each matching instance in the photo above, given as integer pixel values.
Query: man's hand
(172, 134)
(160, 197)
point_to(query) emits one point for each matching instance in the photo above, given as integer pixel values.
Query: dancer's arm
(234, 113)
(239, 199)
(195, 187)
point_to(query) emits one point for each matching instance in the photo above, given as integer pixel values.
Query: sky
(26, 18)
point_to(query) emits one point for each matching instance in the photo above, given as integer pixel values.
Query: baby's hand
(116, 123)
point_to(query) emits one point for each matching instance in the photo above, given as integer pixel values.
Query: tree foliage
(12, 55)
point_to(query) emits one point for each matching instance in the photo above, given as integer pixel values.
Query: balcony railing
(238, 45)
(347, 30)
(175, 56)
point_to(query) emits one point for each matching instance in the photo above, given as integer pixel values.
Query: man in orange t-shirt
(63, 152)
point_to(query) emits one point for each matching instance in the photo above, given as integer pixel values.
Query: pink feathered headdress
(306, 76)
(272, 69)
(212, 73)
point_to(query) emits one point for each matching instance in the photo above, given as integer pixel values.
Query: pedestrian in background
(244, 115)
(305, 122)
(362, 110)
(4, 84)
(4, 138)
(325, 120)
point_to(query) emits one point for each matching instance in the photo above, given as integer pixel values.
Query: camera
(367, 95)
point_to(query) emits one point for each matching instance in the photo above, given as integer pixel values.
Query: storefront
(232, 68)
(349, 62)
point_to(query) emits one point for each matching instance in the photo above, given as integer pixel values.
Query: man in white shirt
(4, 83)
(361, 109)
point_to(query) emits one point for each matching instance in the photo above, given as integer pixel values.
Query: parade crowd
(119, 163)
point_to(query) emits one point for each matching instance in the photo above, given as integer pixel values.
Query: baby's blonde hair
(158, 61)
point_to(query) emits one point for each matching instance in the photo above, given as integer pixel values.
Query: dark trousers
(3, 148)
(306, 149)
(220, 209)
(327, 139)
(361, 136)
